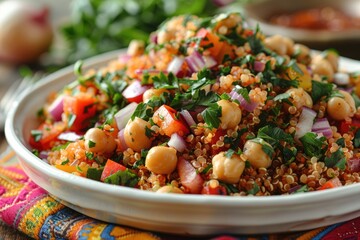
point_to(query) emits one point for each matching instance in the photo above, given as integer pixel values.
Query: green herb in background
(102, 25)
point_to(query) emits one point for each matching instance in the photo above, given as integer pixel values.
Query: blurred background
(46, 35)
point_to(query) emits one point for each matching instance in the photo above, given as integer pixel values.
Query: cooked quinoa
(208, 106)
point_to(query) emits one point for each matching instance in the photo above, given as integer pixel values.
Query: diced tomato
(219, 132)
(134, 92)
(346, 126)
(169, 121)
(79, 109)
(332, 183)
(110, 168)
(45, 136)
(353, 165)
(226, 50)
(189, 178)
(210, 41)
(219, 190)
(71, 169)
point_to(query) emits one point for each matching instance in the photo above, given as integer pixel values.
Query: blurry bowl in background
(260, 12)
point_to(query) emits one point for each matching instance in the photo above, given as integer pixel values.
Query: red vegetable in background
(110, 168)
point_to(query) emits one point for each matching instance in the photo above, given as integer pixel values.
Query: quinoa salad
(208, 106)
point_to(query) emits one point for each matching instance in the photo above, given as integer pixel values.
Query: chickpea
(169, 189)
(97, 141)
(227, 169)
(161, 160)
(322, 66)
(148, 94)
(136, 48)
(279, 44)
(340, 108)
(333, 58)
(134, 134)
(300, 97)
(165, 36)
(256, 155)
(302, 53)
(230, 114)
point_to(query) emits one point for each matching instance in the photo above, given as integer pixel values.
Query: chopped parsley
(91, 144)
(336, 159)
(320, 89)
(212, 115)
(94, 173)
(65, 162)
(255, 189)
(37, 135)
(142, 111)
(314, 146)
(268, 149)
(123, 178)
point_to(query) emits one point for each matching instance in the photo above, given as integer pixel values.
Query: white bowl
(171, 213)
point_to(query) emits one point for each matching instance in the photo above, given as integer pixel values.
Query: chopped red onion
(341, 78)
(259, 66)
(56, 108)
(177, 142)
(248, 106)
(122, 144)
(135, 91)
(305, 123)
(195, 61)
(354, 164)
(209, 61)
(322, 126)
(188, 118)
(175, 65)
(294, 189)
(43, 155)
(153, 37)
(69, 136)
(124, 114)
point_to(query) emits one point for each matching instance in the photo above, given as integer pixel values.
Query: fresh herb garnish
(255, 189)
(123, 178)
(314, 146)
(94, 173)
(91, 144)
(37, 135)
(320, 89)
(212, 115)
(336, 159)
(65, 162)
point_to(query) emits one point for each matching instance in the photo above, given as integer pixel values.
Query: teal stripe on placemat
(326, 231)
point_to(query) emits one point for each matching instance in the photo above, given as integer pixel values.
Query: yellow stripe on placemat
(311, 234)
(33, 220)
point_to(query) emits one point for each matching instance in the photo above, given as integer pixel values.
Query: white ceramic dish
(172, 213)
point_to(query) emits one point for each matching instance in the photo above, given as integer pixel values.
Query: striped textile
(29, 209)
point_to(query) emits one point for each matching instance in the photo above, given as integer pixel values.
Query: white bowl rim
(130, 193)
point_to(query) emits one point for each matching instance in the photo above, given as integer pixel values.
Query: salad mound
(208, 106)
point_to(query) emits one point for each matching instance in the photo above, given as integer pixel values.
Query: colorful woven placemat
(29, 209)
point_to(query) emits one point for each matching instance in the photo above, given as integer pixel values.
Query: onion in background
(25, 31)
